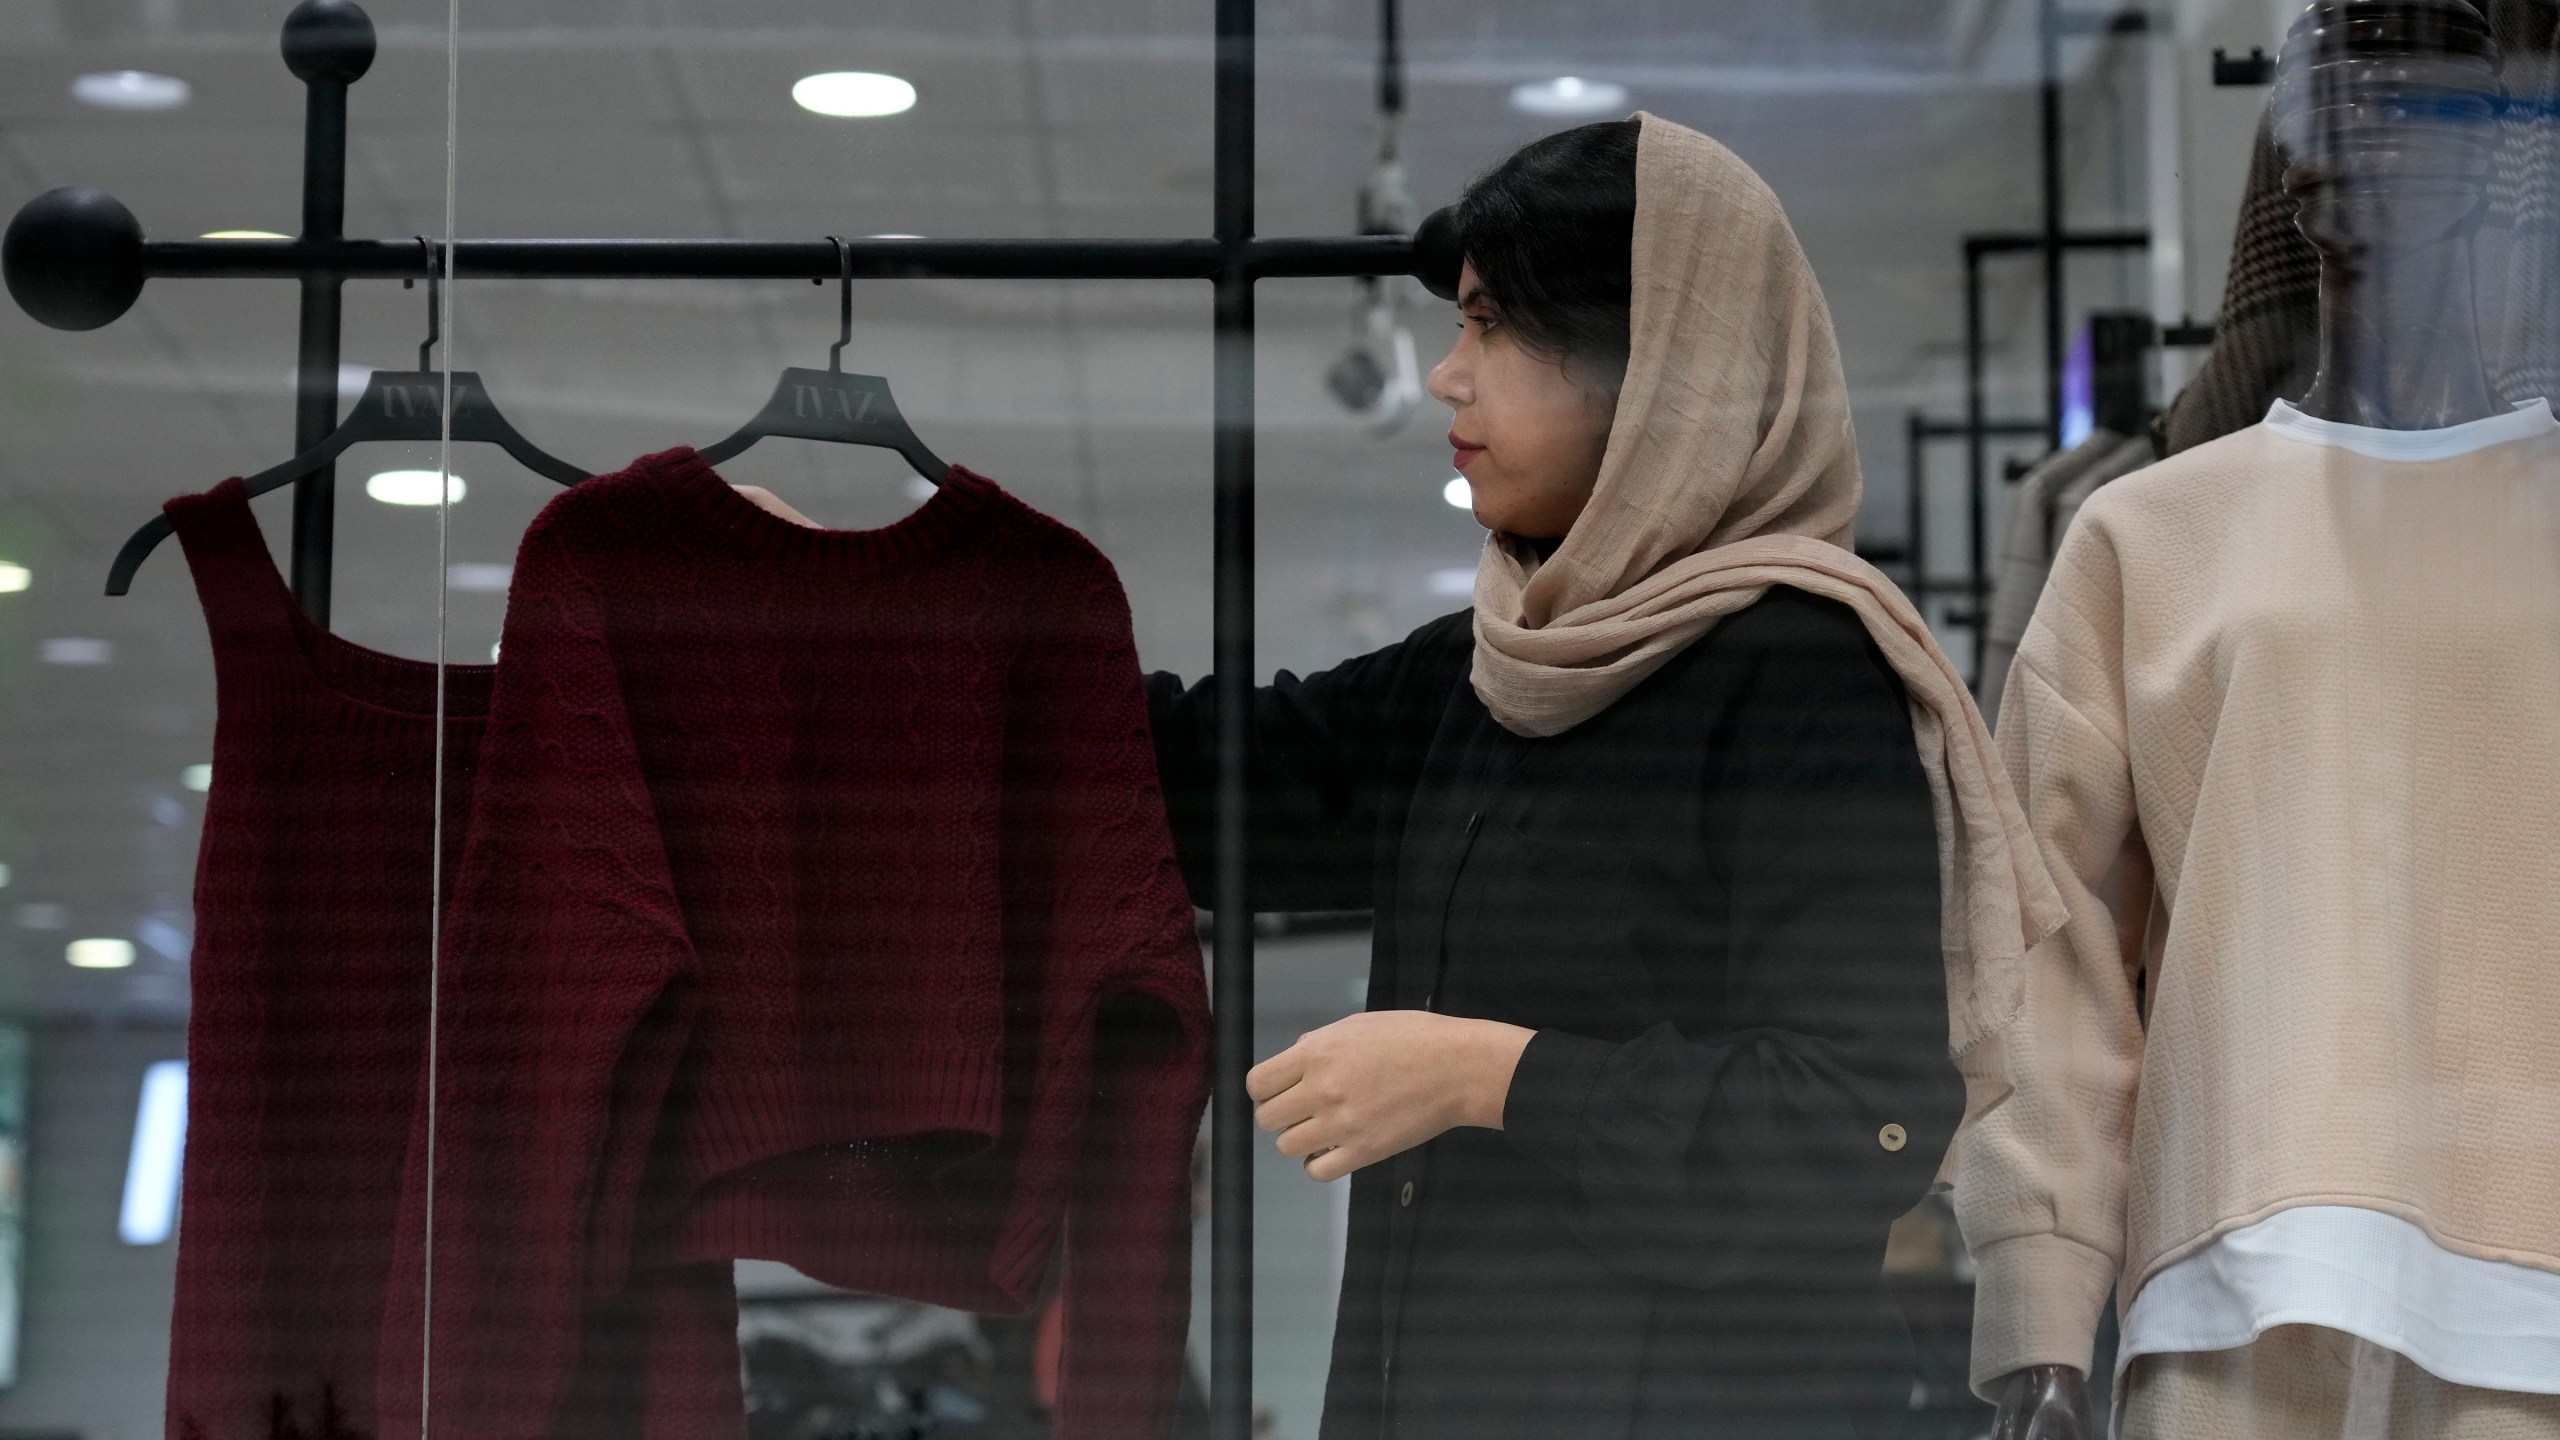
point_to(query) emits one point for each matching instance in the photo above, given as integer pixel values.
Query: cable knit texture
(308, 1031)
(819, 907)
(2287, 728)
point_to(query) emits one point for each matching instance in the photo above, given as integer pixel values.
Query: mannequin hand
(1378, 1084)
(2042, 1402)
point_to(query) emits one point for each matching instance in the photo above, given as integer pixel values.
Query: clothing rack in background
(76, 259)
(2050, 242)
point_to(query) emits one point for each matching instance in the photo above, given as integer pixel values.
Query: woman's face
(1529, 433)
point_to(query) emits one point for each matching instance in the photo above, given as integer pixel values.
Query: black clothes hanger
(397, 406)
(831, 405)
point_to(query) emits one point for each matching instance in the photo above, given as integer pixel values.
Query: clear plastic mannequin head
(2387, 111)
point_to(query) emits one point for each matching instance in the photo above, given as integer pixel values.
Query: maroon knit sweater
(305, 1043)
(819, 907)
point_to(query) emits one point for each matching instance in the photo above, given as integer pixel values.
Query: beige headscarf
(1731, 467)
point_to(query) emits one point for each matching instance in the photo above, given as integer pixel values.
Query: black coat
(1717, 904)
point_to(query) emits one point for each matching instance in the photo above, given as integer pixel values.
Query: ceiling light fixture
(1459, 493)
(149, 1213)
(854, 94)
(100, 954)
(198, 778)
(131, 90)
(244, 235)
(413, 487)
(14, 578)
(1569, 95)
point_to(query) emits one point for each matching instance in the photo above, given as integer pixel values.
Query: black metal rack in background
(77, 259)
(2050, 242)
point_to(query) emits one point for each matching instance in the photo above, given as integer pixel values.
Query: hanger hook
(844, 305)
(435, 314)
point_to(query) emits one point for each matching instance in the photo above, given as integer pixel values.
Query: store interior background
(1890, 129)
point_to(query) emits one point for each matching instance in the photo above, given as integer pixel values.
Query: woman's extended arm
(1322, 749)
(1817, 1107)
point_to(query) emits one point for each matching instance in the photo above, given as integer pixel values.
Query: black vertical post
(1915, 530)
(1231, 1109)
(1390, 59)
(2049, 57)
(328, 44)
(1977, 447)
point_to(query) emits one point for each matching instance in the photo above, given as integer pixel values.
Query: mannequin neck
(2399, 343)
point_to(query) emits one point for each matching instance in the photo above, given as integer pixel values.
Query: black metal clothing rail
(782, 259)
(76, 259)
(1977, 428)
(1918, 430)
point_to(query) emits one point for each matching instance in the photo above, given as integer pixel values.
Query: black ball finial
(1438, 254)
(328, 42)
(73, 258)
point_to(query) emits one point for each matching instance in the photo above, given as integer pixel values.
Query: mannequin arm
(2043, 1402)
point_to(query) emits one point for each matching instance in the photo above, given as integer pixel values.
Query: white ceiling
(1890, 128)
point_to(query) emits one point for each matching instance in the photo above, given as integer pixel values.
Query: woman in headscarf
(1690, 859)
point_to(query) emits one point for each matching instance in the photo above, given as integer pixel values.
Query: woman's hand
(1378, 1084)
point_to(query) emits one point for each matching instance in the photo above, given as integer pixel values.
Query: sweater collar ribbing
(2528, 419)
(957, 504)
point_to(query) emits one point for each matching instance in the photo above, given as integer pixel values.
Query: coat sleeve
(2040, 1178)
(563, 998)
(1760, 1146)
(1121, 1019)
(1322, 749)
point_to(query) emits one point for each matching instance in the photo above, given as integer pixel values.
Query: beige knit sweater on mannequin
(2287, 728)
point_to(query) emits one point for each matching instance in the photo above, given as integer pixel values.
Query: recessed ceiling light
(14, 578)
(413, 487)
(75, 650)
(100, 954)
(131, 90)
(198, 778)
(1569, 95)
(854, 94)
(1459, 493)
(244, 235)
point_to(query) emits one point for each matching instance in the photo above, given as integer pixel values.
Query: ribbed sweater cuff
(2036, 1302)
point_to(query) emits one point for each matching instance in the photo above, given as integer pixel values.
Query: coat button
(1893, 1137)
(1405, 1196)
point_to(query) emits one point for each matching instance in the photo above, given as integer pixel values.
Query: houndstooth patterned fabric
(2266, 338)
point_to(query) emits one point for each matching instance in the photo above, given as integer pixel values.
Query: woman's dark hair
(1551, 233)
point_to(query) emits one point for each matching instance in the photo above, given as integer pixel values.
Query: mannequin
(2382, 108)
